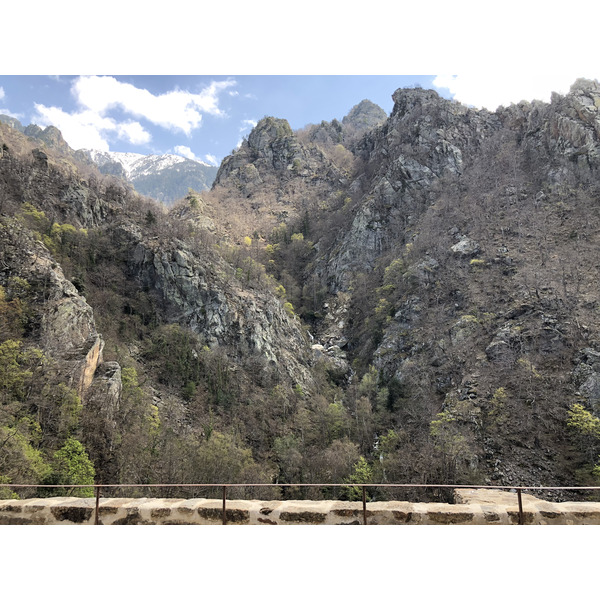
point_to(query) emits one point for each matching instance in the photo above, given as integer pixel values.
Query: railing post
(521, 520)
(224, 501)
(364, 501)
(96, 519)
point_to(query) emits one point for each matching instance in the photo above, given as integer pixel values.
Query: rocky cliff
(401, 298)
(460, 268)
(69, 231)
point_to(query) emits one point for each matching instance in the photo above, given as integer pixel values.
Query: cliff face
(460, 268)
(61, 322)
(205, 296)
(419, 290)
(72, 239)
(425, 140)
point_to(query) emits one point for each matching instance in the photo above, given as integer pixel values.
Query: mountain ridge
(418, 302)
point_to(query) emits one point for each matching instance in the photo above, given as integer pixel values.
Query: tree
(362, 473)
(72, 466)
(587, 428)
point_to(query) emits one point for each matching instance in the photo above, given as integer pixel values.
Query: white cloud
(248, 124)
(185, 151)
(94, 124)
(211, 159)
(8, 113)
(493, 89)
(133, 132)
(177, 110)
(86, 129)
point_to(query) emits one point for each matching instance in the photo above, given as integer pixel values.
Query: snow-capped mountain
(166, 177)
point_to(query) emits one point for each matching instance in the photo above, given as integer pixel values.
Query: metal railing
(512, 488)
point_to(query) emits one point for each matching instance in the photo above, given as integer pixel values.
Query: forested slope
(402, 299)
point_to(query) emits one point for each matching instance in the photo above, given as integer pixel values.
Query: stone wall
(473, 507)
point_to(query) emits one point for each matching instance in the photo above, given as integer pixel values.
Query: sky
(206, 117)
(200, 117)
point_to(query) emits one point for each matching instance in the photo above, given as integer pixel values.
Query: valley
(402, 298)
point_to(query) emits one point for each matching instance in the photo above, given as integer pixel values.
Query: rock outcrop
(65, 329)
(273, 150)
(425, 139)
(205, 296)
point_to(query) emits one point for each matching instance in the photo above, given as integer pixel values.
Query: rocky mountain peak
(271, 150)
(364, 116)
(407, 100)
(11, 122)
(50, 136)
(268, 130)
(585, 85)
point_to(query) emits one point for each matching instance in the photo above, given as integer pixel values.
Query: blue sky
(206, 117)
(200, 117)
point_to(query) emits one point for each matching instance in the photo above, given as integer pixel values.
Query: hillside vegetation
(409, 298)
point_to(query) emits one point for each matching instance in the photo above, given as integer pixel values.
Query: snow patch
(140, 165)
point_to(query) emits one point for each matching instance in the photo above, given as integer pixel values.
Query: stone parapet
(473, 507)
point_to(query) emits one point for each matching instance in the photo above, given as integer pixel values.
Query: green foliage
(16, 369)
(587, 429)
(393, 272)
(132, 392)
(20, 461)
(287, 451)
(58, 410)
(35, 219)
(6, 493)
(221, 459)
(388, 443)
(497, 414)
(583, 421)
(369, 383)
(383, 308)
(477, 262)
(64, 241)
(12, 316)
(72, 466)
(362, 473)
(219, 376)
(189, 390)
(175, 353)
(150, 218)
(449, 438)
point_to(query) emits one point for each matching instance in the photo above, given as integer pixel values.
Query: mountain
(165, 177)
(366, 115)
(12, 122)
(387, 298)
(453, 269)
